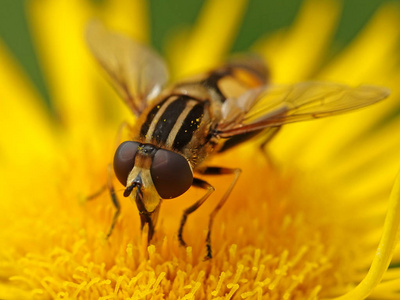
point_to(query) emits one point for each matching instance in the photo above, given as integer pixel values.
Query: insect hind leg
(222, 201)
(268, 136)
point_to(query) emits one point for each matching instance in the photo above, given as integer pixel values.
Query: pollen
(311, 217)
(258, 247)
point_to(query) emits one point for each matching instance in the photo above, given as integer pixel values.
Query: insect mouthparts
(129, 189)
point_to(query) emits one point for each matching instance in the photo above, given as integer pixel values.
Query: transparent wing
(137, 72)
(270, 106)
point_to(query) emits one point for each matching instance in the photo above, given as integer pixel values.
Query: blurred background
(261, 18)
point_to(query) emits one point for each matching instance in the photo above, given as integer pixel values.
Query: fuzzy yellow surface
(305, 220)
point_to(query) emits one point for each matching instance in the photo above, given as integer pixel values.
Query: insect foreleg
(124, 126)
(114, 200)
(201, 184)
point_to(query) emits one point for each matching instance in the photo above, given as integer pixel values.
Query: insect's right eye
(171, 174)
(124, 160)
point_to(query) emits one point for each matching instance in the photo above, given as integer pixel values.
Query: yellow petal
(127, 16)
(385, 249)
(356, 166)
(66, 61)
(25, 125)
(297, 53)
(210, 39)
(322, 139)
(370, 51)
(312, 143)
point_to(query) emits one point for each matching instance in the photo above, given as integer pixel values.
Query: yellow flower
(309, 227)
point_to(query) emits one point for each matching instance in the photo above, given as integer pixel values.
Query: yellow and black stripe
(172, 123)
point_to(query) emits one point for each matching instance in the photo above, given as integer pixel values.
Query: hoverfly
(179, 126)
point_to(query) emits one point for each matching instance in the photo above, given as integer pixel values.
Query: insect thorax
(179, 123)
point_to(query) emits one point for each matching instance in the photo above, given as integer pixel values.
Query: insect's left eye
(124, 160)
(171, 174)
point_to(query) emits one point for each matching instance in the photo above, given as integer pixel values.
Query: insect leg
(201, 184)
(125, 126)
(237, 140)
(219, 171)
(96, 194)
(114, 200)
(268, 135)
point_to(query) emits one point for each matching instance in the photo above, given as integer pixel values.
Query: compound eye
(124, 160)
(171, 174)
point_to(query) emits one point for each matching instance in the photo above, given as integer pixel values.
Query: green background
(262, 17)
